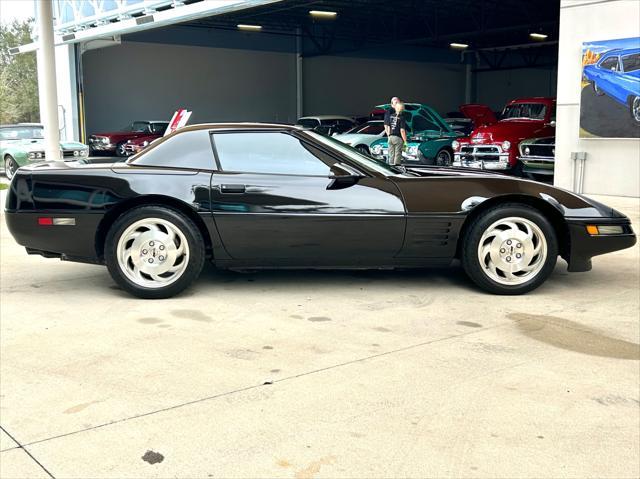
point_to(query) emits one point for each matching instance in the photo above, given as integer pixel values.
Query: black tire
(10, 167)
(596, 90)
(470, 244)
(193, 237)
(634, 109)
(120, 151)
(444, 157)
(517, 170)
(363, 149)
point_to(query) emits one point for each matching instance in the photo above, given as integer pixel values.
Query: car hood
(353, 137)
(508, 129)
(480, 114)
(37, 144)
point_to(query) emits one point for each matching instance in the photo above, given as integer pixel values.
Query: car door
(278, 198)
(609, 71)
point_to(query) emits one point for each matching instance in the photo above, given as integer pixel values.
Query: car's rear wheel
(10, 166)
(510, 249)
(154, 252)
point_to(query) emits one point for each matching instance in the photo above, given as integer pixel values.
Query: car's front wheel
(444, 158)
(634, 105)
(363, 149)
(154, 252)
(509, 249)
(10, 167)
(596, 89)
(120, 149)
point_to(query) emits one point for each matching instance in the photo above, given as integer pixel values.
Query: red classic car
(115, 142)
(136, 145)
(494, 145)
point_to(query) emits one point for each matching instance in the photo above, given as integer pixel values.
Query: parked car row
(23, 143)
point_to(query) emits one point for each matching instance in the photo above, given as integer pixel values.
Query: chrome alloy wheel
(153, 253)
(512, 251)
(635, 109)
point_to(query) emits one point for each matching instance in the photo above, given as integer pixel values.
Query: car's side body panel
(265, 220)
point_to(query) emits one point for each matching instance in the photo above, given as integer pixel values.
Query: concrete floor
(319, 374)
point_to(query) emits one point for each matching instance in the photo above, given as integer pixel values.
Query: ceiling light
(538, 36)
(323, 13)
(459, 46)
(244, 26)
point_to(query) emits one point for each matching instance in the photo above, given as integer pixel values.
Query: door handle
(232, 188)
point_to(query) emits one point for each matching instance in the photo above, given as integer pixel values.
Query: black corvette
(248, 196)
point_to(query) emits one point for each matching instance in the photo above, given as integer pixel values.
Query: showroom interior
(257, 61)
(364, 369)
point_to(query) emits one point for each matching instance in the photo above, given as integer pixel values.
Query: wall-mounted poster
(610, 97)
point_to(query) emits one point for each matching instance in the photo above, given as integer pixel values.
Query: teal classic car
(429, 137)
(23, 144)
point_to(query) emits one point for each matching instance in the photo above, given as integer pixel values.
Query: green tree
(18, 75)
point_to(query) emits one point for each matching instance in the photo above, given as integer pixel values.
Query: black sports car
(248, 196)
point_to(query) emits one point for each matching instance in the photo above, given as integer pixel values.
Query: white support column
(47, 80)
(299, 80)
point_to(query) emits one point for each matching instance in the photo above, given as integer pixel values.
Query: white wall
(612, 166)
(352, 86)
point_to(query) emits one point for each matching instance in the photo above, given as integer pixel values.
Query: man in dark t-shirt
(395, 126)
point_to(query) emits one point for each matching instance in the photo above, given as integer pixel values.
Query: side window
(189, 149)
(610, 64)
(269, 152)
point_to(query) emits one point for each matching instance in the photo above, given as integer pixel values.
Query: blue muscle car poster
(610, 97)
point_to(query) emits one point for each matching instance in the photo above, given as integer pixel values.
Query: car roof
(620, 51)
(326, 117)
(239, 126)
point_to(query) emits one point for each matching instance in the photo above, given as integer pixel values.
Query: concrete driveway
(319, 374)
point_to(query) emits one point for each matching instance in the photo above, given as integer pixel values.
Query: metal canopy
(359, 24)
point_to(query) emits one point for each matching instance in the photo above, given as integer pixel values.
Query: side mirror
(552, 123)
(345, 177)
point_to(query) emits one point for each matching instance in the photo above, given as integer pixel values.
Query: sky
(15, 9)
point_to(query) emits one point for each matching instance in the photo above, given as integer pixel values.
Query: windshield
(137, 126)
(528, 111)
(308, 122)
(369, 128)
(631, 63)
(353, 154)
(22, 133)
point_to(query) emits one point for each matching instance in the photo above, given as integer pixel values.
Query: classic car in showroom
(114, 142)
(617, 75)
(537, 156)
(362, 136)
(247, 196)
(23, 144)
(136, 145)
(429, 137)
(494, 146)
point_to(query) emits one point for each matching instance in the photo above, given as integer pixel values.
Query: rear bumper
(584, 246)
(72, 242)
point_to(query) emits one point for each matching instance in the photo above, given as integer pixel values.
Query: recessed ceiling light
(538, 36)
(459, 46)
(323, 13)
(244, 26)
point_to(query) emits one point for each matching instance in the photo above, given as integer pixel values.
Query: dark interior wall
(353, 86)
(496, 88)
(150, 81)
